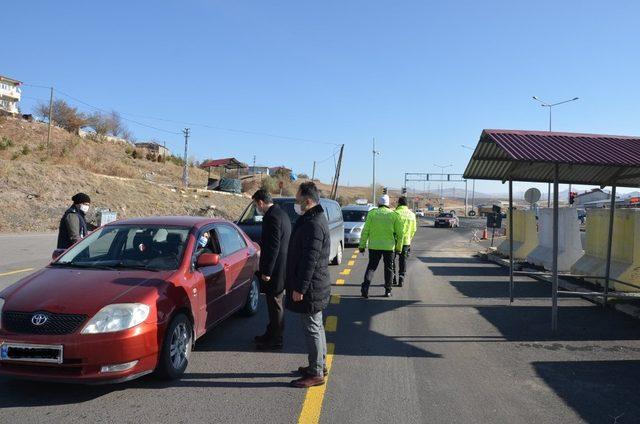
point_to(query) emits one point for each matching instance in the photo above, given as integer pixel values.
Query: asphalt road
(447, 348)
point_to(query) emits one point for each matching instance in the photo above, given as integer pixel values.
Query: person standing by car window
(408, 220)
(73, 225)
(307, 280)
(276, 230)
(383, 233)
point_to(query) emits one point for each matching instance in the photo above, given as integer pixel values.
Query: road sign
(532, 195)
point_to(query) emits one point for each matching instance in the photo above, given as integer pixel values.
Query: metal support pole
(510, 241)
(466, 198)
(554, 267)
(609, 245)
(373, 189)
(185, 168)
(473, 194)
(313, 173)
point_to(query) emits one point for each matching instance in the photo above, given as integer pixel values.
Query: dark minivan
(251, 223)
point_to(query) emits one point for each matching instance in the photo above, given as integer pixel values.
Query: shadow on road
(599, 391)
(500, 289)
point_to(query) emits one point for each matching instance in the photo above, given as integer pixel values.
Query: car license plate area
(51, 354)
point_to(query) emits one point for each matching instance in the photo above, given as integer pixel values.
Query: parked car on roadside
(354, 217)
(419, 213)
(129, 299)
(251, 223)
(447, 219)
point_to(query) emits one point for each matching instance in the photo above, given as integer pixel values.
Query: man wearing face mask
(276, 230)
(73, 225)
(307, 280)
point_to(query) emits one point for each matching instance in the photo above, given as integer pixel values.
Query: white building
(593, 195)
(9, 95)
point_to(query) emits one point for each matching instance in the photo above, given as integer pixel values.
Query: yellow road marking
(332, 324)
(346, 271)
(17, 271)
(335, 299)
(339, 281)
(351, 263)
(312, 406)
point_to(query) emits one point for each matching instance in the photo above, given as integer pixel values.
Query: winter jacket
(308, 263)
(72, 228)
(383, 230)
(408, 220)
(276, 230)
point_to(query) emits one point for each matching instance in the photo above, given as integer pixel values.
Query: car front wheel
(251, 306)
(176, 348)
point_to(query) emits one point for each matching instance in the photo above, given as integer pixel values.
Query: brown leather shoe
(308, 381)
(305, 371)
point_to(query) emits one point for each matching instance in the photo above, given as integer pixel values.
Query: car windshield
(152, 248)
(445, 215)
(354, 216)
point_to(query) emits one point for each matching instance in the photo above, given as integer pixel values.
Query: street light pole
(373, 188)
(442, 168)
(550, 106)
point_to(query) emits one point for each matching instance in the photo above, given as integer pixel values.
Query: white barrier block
(569, 243)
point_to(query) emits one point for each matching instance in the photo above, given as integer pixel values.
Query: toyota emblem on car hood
(39, 319)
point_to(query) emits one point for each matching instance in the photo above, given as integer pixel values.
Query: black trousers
(374, 260)
(402, 262)
(276, 317)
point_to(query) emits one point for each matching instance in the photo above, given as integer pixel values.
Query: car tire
(176, 348)
(338, 259)
(253, 297)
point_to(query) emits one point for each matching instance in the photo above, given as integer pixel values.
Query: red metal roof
(229, 163)
(587, 149)
(532, 156)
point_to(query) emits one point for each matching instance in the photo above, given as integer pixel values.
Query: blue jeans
(316, 342)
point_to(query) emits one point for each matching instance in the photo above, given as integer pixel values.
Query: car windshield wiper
(122, 265)
(81, 265)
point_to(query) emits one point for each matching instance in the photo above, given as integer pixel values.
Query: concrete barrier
(625, 249)
(525, 235)
(569, 244)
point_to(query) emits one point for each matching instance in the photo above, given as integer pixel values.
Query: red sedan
(128, 300)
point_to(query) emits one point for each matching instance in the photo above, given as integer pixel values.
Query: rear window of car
(354, 216)
(445, 215)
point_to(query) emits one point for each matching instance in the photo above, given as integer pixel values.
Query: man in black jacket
(276, 230)
(307, 282)
(73, 225)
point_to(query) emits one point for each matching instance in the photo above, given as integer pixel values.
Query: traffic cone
(485, 234)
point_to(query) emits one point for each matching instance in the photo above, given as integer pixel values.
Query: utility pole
(373, 188)
(336, 180)
(185, 169)
(313, 173)
(254, 165)
(50, 117)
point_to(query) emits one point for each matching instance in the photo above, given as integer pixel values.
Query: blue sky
(422, 77)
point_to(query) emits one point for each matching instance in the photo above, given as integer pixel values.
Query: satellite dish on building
(532, 195)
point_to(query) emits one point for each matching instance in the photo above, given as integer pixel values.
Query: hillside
(37, 181)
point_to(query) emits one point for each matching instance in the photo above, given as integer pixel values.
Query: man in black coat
(73, 225)
(308, 282)
(276, 230)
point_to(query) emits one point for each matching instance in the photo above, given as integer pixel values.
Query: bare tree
(64, 115)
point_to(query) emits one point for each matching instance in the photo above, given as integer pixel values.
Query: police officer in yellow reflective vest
(408, 220)
(383, 233)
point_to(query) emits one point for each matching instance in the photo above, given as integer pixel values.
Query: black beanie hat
(80, 198)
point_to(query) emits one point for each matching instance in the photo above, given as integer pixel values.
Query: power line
(106, 111)
(196, 124)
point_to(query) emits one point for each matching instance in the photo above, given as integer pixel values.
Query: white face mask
(258, 211)
(298, 209)
(84, 208)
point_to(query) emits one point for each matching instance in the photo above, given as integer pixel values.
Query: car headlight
(117, 317)
(357, 230)
(1, 306)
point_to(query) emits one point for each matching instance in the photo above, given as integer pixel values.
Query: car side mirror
(208, 259)
(57, 253)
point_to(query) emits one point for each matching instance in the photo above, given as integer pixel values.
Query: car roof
(357, 208)
(293, 199)
(178, 221)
